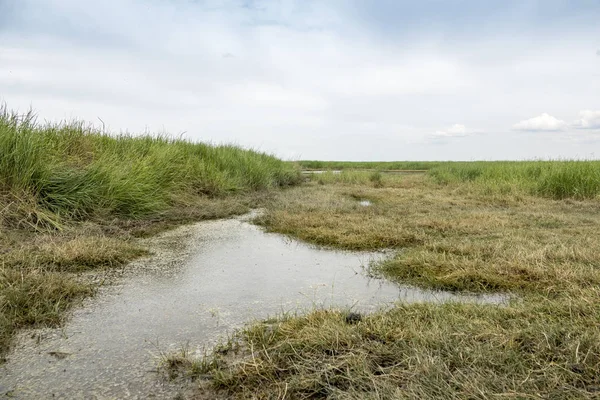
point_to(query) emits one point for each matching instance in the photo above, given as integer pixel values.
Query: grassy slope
(456, 235)
(75, 172)
(73, 199)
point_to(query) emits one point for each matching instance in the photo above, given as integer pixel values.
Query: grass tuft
(34, 297)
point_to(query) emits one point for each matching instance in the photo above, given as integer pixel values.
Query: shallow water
(204, 281)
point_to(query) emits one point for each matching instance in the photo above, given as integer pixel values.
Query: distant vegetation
(553, 179)
(72, 170)
(381, 165)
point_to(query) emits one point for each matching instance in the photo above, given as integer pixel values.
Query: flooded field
(203, 281)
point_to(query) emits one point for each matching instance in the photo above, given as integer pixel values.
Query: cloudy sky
(343, 80)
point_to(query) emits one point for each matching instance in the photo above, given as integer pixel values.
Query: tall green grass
(74, 170)
(554, 179)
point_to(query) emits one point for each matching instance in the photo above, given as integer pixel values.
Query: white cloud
(541, 123)
(456, 130)
(417, 76)
(588, 119)
(293, 77)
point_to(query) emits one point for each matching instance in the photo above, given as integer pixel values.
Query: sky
(331, 80)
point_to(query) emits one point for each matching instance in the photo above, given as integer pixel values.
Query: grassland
(74, 199)
(494, 230)
(554, 179)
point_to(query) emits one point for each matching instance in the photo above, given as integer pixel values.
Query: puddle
(205, 280)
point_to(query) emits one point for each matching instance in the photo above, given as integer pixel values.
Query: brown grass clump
(34, 297)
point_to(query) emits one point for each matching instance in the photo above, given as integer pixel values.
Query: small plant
(376, 179)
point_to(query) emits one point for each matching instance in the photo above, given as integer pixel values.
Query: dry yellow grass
(451, 237)
(539, 349)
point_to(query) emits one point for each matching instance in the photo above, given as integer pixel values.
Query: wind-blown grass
(561, 179)
(74, 171)
(554, 179)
